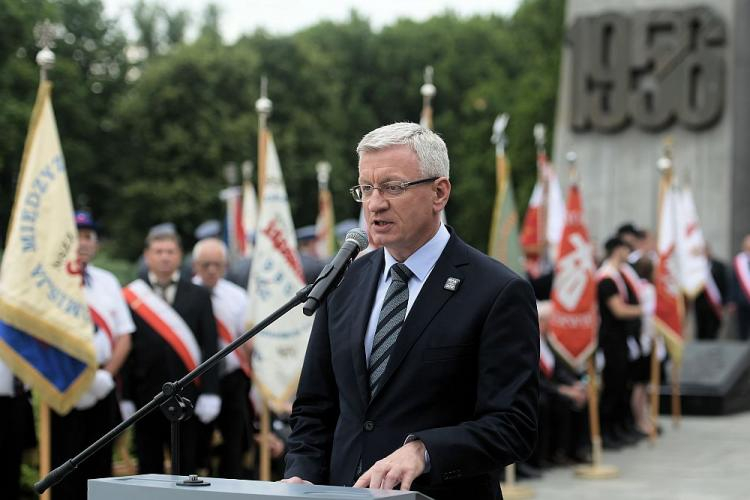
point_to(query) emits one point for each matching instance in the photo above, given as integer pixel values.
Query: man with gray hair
(422, 366)
(229, 303)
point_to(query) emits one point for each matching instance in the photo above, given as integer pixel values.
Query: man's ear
(442, 190)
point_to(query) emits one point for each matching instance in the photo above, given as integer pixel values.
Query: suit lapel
(368, 282)
(432, 297)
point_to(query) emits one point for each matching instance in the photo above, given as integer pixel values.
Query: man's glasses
(391, 189)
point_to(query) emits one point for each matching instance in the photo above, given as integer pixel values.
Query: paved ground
(707, 458)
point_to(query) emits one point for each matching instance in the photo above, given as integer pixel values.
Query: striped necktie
(390, 320)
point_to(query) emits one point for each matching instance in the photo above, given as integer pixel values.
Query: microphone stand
(174, 406)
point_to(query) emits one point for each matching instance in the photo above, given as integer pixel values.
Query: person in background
(175, 331)
(709, 304)
(229, 303)
(740, 294)
(16, 430)
(312, 265)
(619, 311)
(97, 411)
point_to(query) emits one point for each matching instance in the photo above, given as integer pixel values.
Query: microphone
(330, 277)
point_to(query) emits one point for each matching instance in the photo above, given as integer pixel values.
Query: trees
(148, 149)
(89, 73)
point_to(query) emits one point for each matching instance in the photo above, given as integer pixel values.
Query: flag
(275, 277)
(504, 243)
(574, 320)
(325, 234)
(669, 307)
(690, 251)
(544, 219)
(234, 231)
(249, 216)
(46, 333)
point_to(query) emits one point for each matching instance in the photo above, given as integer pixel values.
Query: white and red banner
(669, 302)
(544, 219)
(691, 246)
(574, 320)
(164, 320)
(275, 277)
(235, 232)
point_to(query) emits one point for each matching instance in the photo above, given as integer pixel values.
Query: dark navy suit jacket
(463, 377)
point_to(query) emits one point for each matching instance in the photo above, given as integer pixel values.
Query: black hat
(614, 242)
(85, 221)
(630, 228)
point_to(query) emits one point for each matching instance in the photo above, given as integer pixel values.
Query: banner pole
(511, 489)
(265, 442)
(676, 401)
(654, 385)
(45, 445)
(597, 470)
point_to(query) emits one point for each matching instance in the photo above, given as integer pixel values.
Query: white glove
(102, 347)
(127, 408)
(102, 385)
(99, 388)
(207, 407)
(86, 401)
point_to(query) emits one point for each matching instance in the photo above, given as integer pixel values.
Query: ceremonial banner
(504, 242)
(46, 333)
(233, 228)
(669, 306)
(544, 219)
(691, 247)
(275, 277)
(249, 216)
(574, 319)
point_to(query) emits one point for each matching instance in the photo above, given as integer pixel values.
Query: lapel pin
(452, 284)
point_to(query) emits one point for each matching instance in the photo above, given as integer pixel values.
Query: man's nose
(376, 201)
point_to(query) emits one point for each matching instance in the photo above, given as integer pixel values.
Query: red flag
(574, 319)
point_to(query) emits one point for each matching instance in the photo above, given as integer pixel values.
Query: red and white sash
(713, 293)
(742, 268)
(608, 270)
(164, 320)
(227, 334)
(632, 278)
(100, 320)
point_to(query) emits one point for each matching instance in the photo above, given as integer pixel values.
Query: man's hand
(400, 467)
(295, 480)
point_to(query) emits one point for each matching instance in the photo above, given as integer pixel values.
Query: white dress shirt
(420, 263)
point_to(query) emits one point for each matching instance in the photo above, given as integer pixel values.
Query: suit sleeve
(504, 427)
(315, 410)
(208, 339)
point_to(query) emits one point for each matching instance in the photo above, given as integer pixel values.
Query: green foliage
(151, 147)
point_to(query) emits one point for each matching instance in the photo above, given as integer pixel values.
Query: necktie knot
(400, 272)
